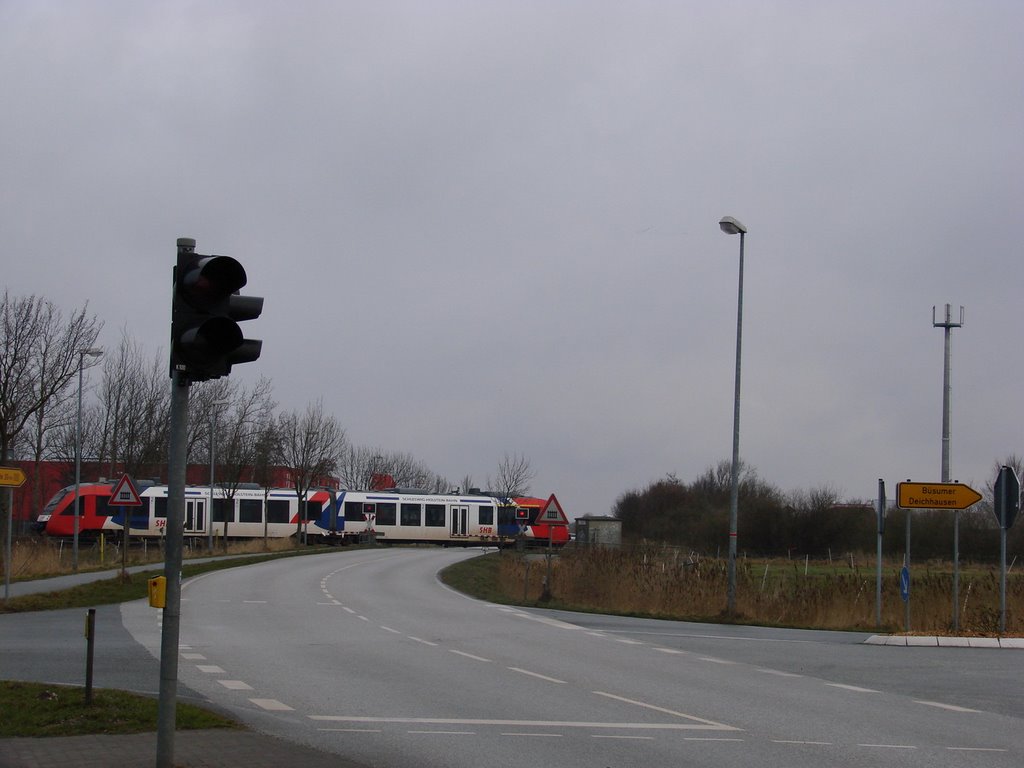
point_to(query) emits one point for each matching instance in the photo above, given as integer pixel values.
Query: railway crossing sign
(124, 494)
(12, 477)
(935, 496)
(552, 513)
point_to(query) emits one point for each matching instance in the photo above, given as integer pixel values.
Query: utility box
(158, 592)
(598, 531)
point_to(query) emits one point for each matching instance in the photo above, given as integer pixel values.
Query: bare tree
(312, 443)
(39, 359)
(238, 434)
(363, 468)
(514, 476)
(134, 403)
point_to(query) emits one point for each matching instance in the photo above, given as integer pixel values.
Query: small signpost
(1006, 495)
(11, 477)
(935, 496)
(125, 495)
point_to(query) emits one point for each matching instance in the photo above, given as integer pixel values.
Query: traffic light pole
(178, 449)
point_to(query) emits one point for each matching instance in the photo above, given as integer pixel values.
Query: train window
(57, 499)
(313, 509)
(250, 511)
(222, 507)
(386, 513)
(506, 515)
(486, 515)
(160, 506)
(412, 514)
(278, 512)
(354, 511)
(435, 515)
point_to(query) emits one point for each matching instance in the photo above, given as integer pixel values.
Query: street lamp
(92, 352)
(209, 515)
(731, 226)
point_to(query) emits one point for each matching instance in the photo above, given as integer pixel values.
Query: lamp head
(731, 226)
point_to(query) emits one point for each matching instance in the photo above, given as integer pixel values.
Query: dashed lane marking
(272, 705)
(855, 688)
(538, 675)
(472, 656)
(210, 669)
(950, 707)
(235, 685)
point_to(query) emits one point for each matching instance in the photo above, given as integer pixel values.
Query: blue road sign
(905, 583)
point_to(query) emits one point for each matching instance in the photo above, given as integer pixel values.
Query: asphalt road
(366, 654)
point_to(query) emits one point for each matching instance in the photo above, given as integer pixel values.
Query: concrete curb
(932, 641)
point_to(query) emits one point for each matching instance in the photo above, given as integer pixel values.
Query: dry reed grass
(34, 558)
(668, 583)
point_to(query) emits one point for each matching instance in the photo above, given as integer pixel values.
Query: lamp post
(731, 226)
(92, 352)
(213, 427)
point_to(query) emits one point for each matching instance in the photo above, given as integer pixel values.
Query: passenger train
(342, 517)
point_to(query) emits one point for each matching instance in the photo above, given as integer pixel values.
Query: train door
(195, 515)
(460, 521)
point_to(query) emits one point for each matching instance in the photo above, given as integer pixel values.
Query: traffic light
(206, 309)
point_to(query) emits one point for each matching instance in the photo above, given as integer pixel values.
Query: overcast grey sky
(492, 226)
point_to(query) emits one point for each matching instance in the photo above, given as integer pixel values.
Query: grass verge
(38, 710)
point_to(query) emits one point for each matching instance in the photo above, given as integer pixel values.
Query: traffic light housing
(206, 339)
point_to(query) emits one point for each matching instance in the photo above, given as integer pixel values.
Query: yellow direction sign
(935, 496)
(12, 476)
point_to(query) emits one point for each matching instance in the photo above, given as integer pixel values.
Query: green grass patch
(37, 709)
(477, 576)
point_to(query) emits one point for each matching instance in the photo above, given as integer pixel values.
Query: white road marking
(777, 672)
(709, 724)
(421, 640)
(515, 723)
(623, 738)
(950, 707)
(210, 669)
(255, 602)
(389, 629)
(713, 660)
(794, 741)
(235, 685)
(856, 688)
(888, 746)
(272, 705)
(470, 656)
(976, 749)
(538, 675)
(346, 609)
(707, 738)
(672, 651)
(442, 733)
(193, 656)
(522, 734)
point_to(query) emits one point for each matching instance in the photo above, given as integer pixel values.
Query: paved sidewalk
(215, 748)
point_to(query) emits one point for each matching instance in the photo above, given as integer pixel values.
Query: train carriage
(389, 516)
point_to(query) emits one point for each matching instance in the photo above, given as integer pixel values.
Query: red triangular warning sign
(552, 513)
(124, 494)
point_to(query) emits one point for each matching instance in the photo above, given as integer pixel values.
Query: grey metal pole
(734, 493)
(878, 557)
(209, 511)
(78, 463)
(177, 454)
(948, 325)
